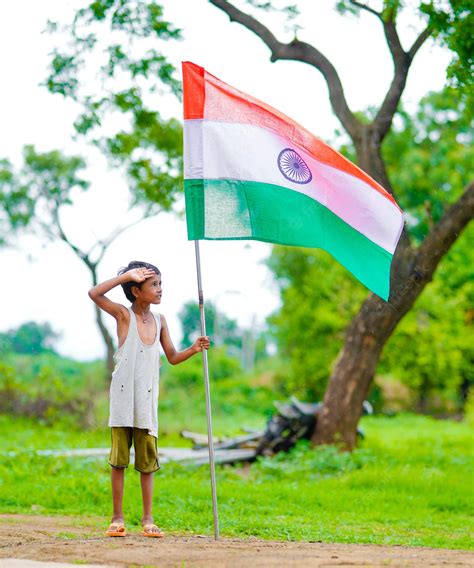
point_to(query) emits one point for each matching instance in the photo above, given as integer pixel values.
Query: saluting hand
(140, 274)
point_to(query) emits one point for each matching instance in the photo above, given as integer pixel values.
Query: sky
(47, 282)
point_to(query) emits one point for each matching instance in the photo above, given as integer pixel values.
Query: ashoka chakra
(293, 167)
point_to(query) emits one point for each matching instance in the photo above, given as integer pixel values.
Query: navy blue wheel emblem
(293, 167)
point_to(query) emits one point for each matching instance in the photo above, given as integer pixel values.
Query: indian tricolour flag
(253, 173)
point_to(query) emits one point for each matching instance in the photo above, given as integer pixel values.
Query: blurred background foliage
(119, 113)
(427, 364)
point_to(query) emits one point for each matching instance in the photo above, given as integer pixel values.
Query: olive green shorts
(146, 451)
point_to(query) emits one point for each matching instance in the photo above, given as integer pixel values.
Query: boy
(135, 382)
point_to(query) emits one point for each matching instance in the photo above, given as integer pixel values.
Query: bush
(48, 387)
(310, 463)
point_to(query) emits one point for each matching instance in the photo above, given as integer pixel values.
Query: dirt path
(62, 539)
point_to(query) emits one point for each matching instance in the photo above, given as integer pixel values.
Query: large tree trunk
(354, 370)
(371, 328)
(369, 331)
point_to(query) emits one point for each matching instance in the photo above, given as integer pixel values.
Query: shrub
(49, 387)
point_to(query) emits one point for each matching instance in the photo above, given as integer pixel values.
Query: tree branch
(445, 233)
(429, 254)
(62, 235)
(366, 8)
(420, 40)
(393, 41)
(297, 51)
(105, 243)
(402, 61)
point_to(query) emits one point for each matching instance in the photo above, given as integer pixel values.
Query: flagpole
(210, 442)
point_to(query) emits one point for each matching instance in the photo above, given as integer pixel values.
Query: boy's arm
(97, 293)
(174, 356)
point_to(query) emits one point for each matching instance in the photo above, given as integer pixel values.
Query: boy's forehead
(154, 278)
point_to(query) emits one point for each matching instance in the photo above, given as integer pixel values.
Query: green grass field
(410, 482)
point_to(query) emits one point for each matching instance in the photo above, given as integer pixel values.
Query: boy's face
(150, 291)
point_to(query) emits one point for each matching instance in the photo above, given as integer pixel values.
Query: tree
(431, 351)
(16, 207)
(146, 146)
(319, 297)
(117, 84)
(30, 338)
(414, 264)
(452, 22)
(218, 326)
(44, 187)
(131, 73)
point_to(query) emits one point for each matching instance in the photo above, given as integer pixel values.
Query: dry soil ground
(63, 540)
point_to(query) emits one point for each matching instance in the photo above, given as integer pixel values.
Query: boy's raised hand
(140, 274)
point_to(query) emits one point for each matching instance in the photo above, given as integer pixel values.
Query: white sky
(47, 282)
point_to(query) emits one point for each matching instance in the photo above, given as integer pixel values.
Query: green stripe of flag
(234, 209)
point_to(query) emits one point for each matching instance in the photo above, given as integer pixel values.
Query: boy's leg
(146, 462)
(146, 480)
(117, 478)
(121, 441)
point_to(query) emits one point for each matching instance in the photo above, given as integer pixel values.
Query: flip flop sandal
(116, 529)
(148, 531)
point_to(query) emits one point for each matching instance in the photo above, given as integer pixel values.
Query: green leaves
(319, 297)
(429, 157)
(33, 194)
(131, 71)
(432, 350)
(452, 22)
(151, 64)
(221, 328)
(44, 386)
(62, 79)
(99, 9)
(16, 205)
(29, 338)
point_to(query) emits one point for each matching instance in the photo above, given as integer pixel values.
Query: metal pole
(210, 442)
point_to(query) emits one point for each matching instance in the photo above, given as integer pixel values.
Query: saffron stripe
(222, 102)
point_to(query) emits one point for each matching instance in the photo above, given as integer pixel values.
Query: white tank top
(135, 381)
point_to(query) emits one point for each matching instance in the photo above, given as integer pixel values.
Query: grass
(409, 483)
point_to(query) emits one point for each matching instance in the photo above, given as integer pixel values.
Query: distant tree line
(30, 338)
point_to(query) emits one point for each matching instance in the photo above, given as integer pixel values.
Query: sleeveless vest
(135, 381)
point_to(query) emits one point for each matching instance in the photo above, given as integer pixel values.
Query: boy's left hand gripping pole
(208, 395)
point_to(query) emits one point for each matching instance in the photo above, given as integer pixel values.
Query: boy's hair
(127, 287)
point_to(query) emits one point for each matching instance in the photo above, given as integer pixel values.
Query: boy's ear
(134, 290)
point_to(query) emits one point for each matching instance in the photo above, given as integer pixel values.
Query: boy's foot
(116, 528)
(150, 529)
